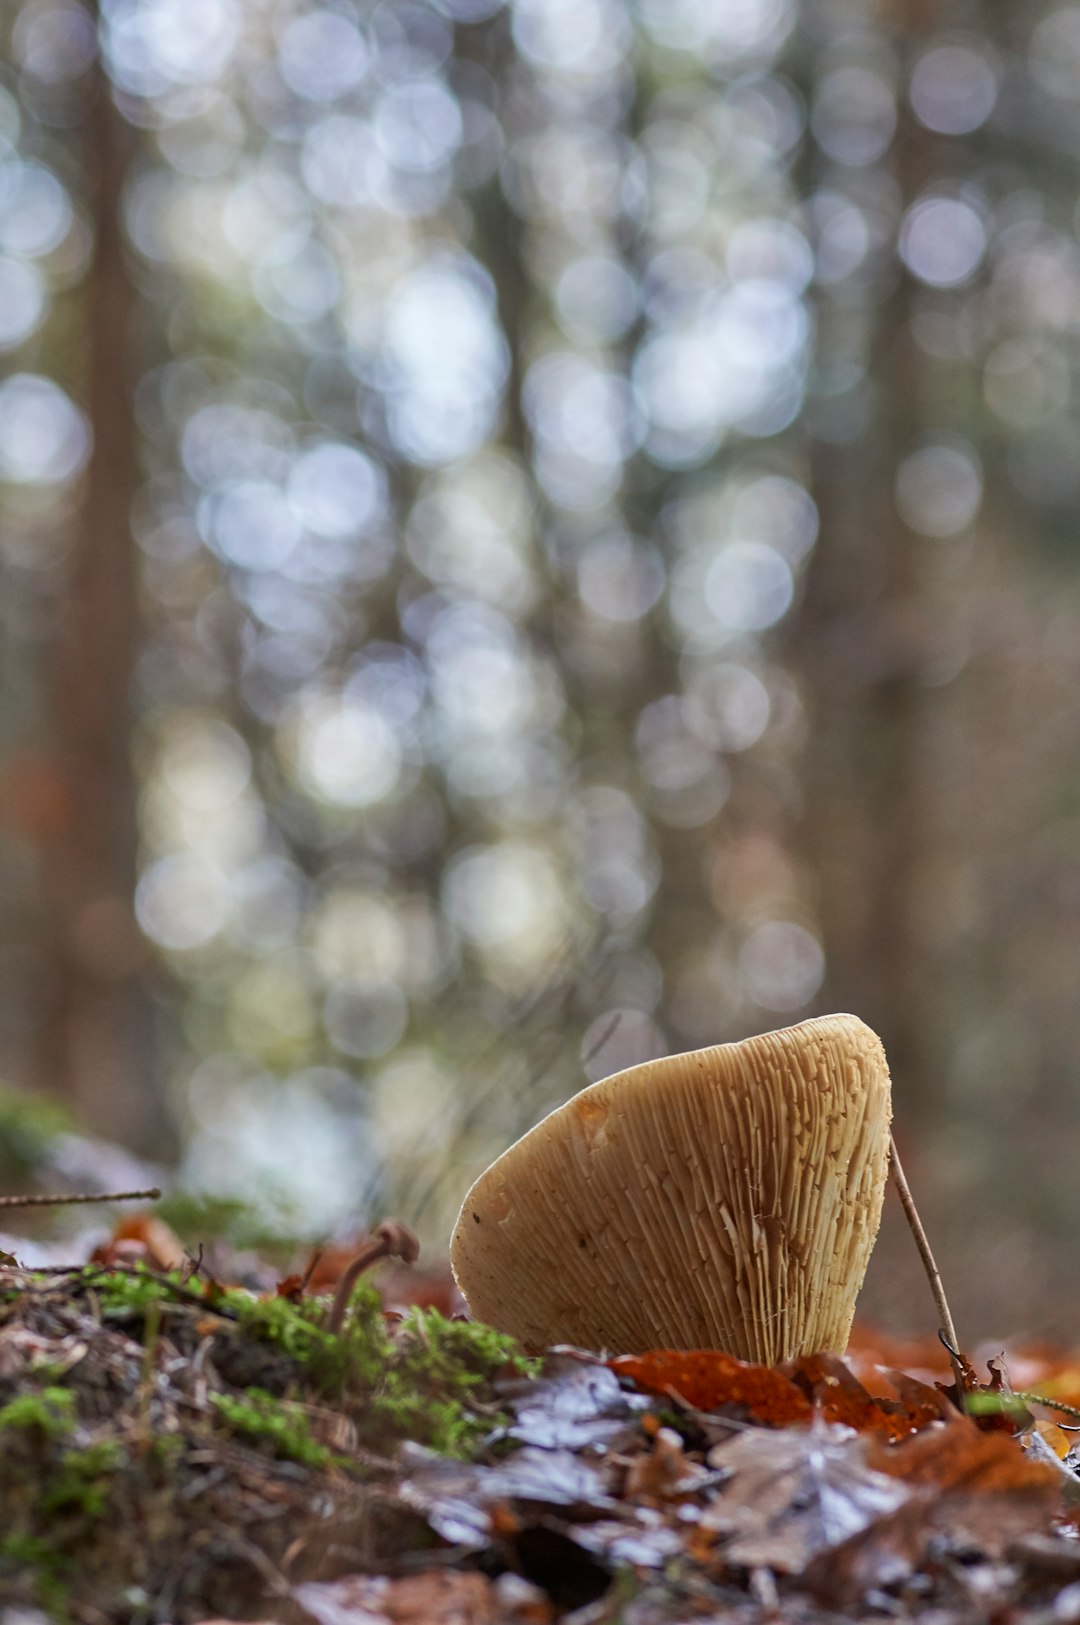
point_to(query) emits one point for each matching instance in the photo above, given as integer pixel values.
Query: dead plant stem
(150, 1195)
(933, 1275)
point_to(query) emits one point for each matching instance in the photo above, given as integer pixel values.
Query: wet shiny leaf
(794, 1493)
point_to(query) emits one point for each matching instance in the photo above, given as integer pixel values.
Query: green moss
(30, 1550)
(426, 1383)
(81, 1480)
(433, 1388)
(276, 1424)
(44, 1566)
(334, 1363)
(165, 1450)
(77, 1479)
(124, 1296)
(50, 1410)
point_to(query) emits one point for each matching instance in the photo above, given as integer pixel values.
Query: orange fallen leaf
(958, 1458)
(142, 1237)
(710, 1381)
(826, 1380)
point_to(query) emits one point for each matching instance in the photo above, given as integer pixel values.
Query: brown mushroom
(728, 1199)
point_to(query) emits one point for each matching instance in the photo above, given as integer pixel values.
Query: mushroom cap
(728, 1198)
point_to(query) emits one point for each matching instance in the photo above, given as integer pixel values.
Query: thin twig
(150, 1195)
(911, 1214)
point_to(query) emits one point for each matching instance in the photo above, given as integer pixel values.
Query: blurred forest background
(537, 535)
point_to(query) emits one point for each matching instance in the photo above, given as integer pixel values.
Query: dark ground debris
(183, 1453)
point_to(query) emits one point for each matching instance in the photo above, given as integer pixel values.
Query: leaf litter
(175, 1450)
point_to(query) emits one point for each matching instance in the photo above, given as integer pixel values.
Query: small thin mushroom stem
(392, 1239)
(947, 1330)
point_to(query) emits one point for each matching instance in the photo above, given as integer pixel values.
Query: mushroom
(728, 1198)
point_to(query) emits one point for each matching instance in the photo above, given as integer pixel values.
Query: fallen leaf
(871, 1352)
(662, 1473)
(142, 1238)
(794, 1493)
(457, 1498)
(958, 1459)
(993, 1405)
(649, 1543)
(437, 1597)
(575, 1402)
(841, 1397)
(1055, 1438)
(709, 1380)
(966, 1488)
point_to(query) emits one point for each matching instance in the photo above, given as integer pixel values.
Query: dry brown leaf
(796, 1492)
(709, 1380)
(663, 1473)
(142, 1238)
(437, 1597)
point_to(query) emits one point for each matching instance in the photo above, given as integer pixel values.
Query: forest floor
(193, 1435)
(176, 1449)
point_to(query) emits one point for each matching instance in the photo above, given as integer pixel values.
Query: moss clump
(278, 1425)
(332, 1364)
(130, 1295)
(433, 1388)
(51, 1411)
(426, 1381)
(81, 1480)
(77, 1479)
(30, 1555)
(56, 1486)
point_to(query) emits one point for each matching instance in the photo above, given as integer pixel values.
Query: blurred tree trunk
(94, 1045)
(867, 639)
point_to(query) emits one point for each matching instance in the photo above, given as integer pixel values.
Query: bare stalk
(150, 1195)
(392, 1240)
(933, 1275)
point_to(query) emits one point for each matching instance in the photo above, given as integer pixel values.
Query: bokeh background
(536, 535)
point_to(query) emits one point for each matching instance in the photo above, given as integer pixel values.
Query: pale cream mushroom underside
(728, 1198)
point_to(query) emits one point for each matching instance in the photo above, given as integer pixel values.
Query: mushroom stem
(933, 1275)
(392, 1240)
